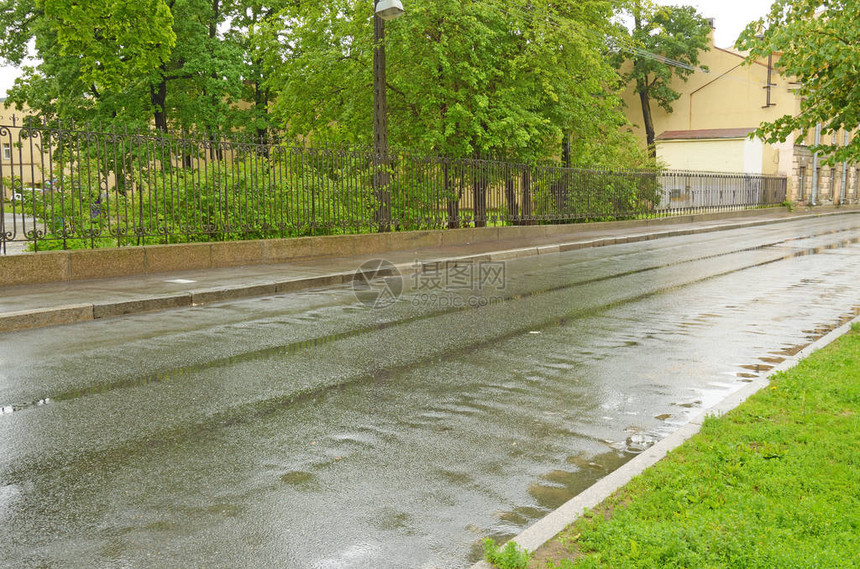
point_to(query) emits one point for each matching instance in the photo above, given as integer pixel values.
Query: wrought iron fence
(71, 188)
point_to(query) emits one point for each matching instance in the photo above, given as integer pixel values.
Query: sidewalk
(35, 306)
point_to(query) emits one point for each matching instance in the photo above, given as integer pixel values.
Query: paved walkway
(35, 306)
(11, 223)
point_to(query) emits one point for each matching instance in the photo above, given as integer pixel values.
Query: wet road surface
(311, 431)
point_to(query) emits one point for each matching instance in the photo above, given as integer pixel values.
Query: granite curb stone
(67, 314)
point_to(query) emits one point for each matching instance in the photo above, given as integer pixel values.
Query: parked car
(26, 193)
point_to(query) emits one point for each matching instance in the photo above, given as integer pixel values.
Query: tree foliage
(246, 27)
(176, 64)
(465, 77)
(115, 41)
(818, 45)
(509, 79)
(674, 33)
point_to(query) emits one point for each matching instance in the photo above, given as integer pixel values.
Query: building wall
(833, 185)
(725, 155)
(20, 160)
(735, 95)
(703, 155)
(754, 152)
(800, 179)
(729, 95)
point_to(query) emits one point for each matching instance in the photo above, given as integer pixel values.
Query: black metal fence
(71, 188)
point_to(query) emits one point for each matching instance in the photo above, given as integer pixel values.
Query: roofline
(714, 139)
(739, 133)
(736, 54)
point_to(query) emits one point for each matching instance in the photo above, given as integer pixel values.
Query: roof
(744, 54)
(706, 134)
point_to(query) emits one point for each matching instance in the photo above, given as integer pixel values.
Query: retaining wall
(86, 264)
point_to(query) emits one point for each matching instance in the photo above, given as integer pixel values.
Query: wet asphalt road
(310, 431)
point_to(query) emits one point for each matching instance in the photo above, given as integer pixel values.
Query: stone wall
(829, 180)
(86, 264)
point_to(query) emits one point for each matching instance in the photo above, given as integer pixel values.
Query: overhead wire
(625, 45)
(621, 44)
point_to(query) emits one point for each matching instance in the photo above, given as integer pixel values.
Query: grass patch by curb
(774, 483)
(508, 557)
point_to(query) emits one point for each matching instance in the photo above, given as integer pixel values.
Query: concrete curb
(550, 526)
(70, 314)
(88, 264)
(27, 319)
(508, 254)
(110, 309)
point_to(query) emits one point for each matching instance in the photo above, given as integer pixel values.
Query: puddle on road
(301, 479)
(556, 487)
(758, 368)
(790, 350)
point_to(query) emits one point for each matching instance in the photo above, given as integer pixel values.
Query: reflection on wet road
(310, 431)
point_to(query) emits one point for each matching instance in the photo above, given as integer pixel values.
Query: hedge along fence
(71, 188)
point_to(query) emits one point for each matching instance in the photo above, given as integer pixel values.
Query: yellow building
(20, 160)
(710, 126)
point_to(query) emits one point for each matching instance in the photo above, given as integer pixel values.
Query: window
(856, 181)
(833, 184)
(816, 185)
(801, 192)
(7, 151)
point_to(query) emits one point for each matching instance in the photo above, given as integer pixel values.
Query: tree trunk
(479, 195)
(261, 102)
(647, 119)
(527, 196)
(565, 150)
(562, 186)
(452, 201)
(511, 198)
(158, 98)
(642, 88)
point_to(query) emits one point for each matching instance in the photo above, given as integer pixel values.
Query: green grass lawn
(773, 484)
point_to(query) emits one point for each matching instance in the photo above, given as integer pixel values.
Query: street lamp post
(383, 10)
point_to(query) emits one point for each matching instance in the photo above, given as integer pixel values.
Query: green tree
(132, 62)
(203, 79)
(516, 80)
(246, 19)
(465, 77)
(115, 41)
(92, 55)
(15, 28)
(664, 43)
(818, 41)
